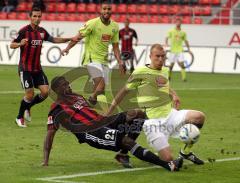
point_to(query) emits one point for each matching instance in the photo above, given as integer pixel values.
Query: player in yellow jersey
(99, 33)
(161, 104)
(177, 36)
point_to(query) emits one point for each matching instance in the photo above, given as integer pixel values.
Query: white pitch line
(54, 179)
(178, 89)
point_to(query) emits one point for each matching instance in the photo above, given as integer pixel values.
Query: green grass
(217, 95)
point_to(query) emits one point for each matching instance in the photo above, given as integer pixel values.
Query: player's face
(158, 58)
(126, 23)
(36, 17)
(106, 11)
(178, 23)
(64, 87)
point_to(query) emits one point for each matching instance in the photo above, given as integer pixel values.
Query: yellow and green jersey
(152, 90)
(177, 37)
(98, 36)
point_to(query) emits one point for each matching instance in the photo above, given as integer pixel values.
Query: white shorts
(96, 70)
(162, 128)
(176, 57)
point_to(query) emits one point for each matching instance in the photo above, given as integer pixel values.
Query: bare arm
(187, 44)
(117, 55)
(61, 40)
(119, 97)
(175, 99)
(71, 44)
(48, 146)
(15, 45)
(166, 42)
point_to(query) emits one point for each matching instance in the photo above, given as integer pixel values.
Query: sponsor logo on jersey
(106, 38)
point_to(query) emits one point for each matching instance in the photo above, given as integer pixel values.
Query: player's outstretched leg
(148, 156)
(197, 118)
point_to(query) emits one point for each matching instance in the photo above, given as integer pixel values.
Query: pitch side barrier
(209, 59)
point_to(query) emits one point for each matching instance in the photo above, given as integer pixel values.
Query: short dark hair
(34, 9)
(56, 82)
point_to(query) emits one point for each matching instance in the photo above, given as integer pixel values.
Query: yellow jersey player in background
(177, 36)
(99, 33)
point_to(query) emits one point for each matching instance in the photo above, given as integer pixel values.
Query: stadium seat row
(85, 17)
(130, 9)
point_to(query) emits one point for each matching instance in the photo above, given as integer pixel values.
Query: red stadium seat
(114, 8)
(12, 16)
(122, 18)
(91, 16)
(51, 7)
(143, 19)
(61, 17)
(204, 2)
(51, 16)
(142, 8)
(3, 15)
(133, 18)
(71, 7)
(197, 10)
(163, 9)
(186, 10)
(61, 7)
(153, 9)
(164, 19)
(132, 8)
(216, 2)
(122, 8)
(22, 16)
(197, 20)
(174, 9)
(186, 20)
(206, 10)
(81, 8)
(91, 8)
(24, 6)
(154, 19)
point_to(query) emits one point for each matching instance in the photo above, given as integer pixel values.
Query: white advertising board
(198, 35)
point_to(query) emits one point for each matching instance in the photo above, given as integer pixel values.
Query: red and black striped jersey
(30, 53)
(74, 110)
(126, 36)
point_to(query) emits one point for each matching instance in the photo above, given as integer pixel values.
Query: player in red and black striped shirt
(72, 112)
(126, 36)
(29, 40)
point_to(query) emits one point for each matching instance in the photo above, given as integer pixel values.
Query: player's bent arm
(119, 97)
(187, 44)
(15, 45)
(61, 40)
(175, 98)
(48, 145)
(72, 43)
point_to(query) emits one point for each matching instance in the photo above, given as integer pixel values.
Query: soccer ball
(189, 134)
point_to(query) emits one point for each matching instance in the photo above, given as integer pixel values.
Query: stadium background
(213, 32)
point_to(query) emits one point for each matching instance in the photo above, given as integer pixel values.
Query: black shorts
(32, 79)
(126, 55)
(108, 138)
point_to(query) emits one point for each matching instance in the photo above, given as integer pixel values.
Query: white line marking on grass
(88, 174)
(179, 89)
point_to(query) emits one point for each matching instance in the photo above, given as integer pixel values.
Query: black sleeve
(20, 36)
(48, 37)
(135, 34)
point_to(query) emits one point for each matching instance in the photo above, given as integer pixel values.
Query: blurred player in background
(177, 36)
(156, 97)
(99, 33)
(72, 112)
(126, 36)
(29, 40)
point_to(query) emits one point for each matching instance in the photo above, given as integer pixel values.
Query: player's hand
(23, 42)
(122, 68)
(64, 52)
(176, 102)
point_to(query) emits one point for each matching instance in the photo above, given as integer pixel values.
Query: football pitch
(217, 95)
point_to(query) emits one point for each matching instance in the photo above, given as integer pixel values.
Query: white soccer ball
(189, 134)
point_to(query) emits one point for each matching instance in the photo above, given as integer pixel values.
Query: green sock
(183, 73)
(187, 148)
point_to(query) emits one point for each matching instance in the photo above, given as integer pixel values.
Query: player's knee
(166, 157)
(199, 119)
(128, 143)
(29, 95)
(44, 94)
